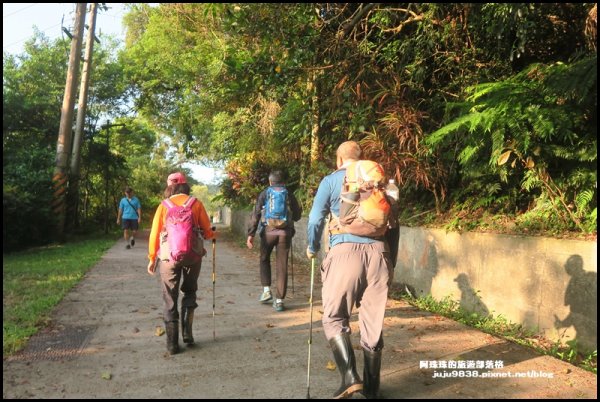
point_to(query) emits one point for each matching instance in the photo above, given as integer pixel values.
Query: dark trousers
(269, 240)
(172, 276)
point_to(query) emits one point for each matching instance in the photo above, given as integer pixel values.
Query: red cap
(176, 178)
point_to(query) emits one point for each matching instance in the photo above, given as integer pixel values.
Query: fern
(438, 136)
(467, 154)
(576, 81)
(536, 121)
(583, 199)
(530, 181)
(498, 146)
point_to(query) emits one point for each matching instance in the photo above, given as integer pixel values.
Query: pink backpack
(181, 234)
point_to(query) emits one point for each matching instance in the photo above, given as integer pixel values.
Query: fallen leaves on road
(330, 365)
(159, 331)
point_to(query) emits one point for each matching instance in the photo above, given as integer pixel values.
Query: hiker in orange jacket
(173, 273)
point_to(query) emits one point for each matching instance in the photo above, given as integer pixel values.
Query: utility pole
(313, 92)
(107, 126)
(73, 199)
(63, 146)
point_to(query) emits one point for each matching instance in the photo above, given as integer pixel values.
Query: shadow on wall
(417, 262)
(430, 264)
(581, 296)
(469, 299)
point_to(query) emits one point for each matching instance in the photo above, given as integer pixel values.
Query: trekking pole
(214, 242)
(292, 260)
(312, 281)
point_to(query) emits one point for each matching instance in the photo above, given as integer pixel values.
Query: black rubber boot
(372, 368)
(187, 319)
(172, 337)
(344, 358)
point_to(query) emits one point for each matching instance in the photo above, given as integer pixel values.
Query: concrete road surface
(104, 342)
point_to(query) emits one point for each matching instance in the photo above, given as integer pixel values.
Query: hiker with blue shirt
(355, 272)
(274, 214)
(130, 213)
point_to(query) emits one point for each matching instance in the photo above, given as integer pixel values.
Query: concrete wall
(239, 223)
(548, 285)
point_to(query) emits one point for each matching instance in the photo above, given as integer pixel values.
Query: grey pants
(355, 274)
(280, 239)
(171, 276)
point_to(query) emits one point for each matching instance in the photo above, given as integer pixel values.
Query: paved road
(103, 344)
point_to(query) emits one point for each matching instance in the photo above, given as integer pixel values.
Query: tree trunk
(313, 92)
(63, 146)
(73, 198)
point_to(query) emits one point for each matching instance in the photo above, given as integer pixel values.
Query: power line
(24, 39)
(44, 31)
(115, 13)
(18, 11)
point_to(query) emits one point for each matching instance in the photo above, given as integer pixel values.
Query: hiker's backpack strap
(189, 201)
(168, 203)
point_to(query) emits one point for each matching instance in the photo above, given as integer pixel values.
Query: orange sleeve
(201, 219)
(157, 225)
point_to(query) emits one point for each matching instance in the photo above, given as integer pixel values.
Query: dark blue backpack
(276, 210)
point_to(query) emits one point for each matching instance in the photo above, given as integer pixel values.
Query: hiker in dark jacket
(273, 236)
(355, 272)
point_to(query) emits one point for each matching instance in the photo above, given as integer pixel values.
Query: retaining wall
(547, 285)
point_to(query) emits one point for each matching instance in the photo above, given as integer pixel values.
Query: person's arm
(295, 207)
(154, 239)
(255, 218)
(202, 221)
(256, 214)
(139, 210)
(316, 219)
(120, 213)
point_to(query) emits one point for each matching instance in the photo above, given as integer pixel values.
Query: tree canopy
(475, 109)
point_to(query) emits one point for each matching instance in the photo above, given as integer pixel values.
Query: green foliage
(27, 196)
(208, 197)
(590, 362)
(305, 194)
(528, 126)
(36, 280)
(500, 326)
(128, 153)
(475, 109)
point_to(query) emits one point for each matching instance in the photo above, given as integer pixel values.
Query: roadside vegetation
(501, 327)
(485, 114)
(34, 281)
(37, 279)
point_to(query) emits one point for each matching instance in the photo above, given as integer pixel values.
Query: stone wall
(547, 285)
